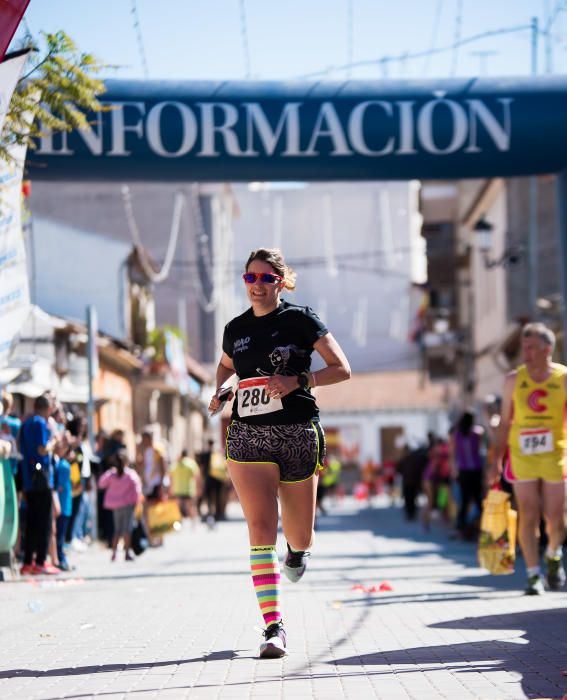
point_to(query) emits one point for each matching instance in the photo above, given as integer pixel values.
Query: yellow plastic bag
(163, 516)
(497, 539)
(218, 469)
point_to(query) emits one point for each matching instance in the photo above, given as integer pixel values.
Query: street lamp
(483, 230)
(483, 234)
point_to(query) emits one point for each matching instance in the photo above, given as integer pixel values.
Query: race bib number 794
(534, 442)
(253, 399)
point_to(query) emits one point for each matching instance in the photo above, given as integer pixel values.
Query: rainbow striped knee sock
(266, 578)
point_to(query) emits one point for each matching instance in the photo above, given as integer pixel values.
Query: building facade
(502, 250)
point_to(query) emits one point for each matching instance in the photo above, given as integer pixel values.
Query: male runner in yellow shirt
(532, 428)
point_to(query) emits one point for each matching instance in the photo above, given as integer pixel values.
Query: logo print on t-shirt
(279, 357)
(534, 401)
(241, 344)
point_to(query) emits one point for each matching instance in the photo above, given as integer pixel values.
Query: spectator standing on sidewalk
(10, 424)
(152, 465)
(436, 482)
(468, 464)
(83, 472)
(275, 444)
(36, 445)
(184, 484)
(8, 416)
(10, 428)
(107, 447)
(64, 492)
(123, 491)
(212, 486)
(328, 481)
(411, 467)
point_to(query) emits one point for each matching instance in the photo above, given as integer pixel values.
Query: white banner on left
(14, 287)
(10, 71)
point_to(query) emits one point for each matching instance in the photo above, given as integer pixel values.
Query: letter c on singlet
(534, 401)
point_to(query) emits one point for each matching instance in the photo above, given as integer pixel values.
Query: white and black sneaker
(535, 585)
(273, 646)
(295, 564)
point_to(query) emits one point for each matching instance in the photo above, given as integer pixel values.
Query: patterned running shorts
(297, 449)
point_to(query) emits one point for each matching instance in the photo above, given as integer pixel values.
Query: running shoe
(555, 573)
(27, 570)
(295, 564)
(535, 585)
(274, 645)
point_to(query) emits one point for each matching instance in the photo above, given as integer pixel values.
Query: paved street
(179, 622)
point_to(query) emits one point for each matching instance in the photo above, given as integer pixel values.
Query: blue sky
(204, 39)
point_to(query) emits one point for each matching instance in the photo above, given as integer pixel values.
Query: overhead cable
(458, 25)
(436, 23)
(244, 37)
(560, 6)
(418, 54)
(140, 39)
(350, 37)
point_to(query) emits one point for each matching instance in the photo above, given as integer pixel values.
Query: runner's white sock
(552, 553)
(534, 571)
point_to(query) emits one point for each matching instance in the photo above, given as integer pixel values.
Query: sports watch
(304, 380)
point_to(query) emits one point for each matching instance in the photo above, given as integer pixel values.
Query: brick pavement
(179, 622)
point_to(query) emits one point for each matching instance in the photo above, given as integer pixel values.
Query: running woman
(532, 428)
(275, 444)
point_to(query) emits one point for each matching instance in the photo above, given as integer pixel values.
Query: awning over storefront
(8, 374)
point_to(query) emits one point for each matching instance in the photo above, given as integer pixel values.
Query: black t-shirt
(280, 342)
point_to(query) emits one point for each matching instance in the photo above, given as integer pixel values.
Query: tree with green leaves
(57, 91)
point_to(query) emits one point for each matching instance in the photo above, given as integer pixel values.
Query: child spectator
(123, 491)
(64, 490)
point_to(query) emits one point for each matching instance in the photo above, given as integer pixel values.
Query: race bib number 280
(534, 442)
(253, 399)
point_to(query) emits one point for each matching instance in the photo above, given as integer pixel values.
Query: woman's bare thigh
(256, 485)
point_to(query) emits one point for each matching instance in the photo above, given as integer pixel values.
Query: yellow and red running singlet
(537, 437)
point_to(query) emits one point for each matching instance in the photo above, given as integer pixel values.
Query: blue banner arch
(242, 131)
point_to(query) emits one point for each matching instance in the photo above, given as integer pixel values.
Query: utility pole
(92, 365)
(92, 369)
(547, 38)
(533, 282)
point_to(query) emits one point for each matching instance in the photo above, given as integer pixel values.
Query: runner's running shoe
(555, 573)
(535, 585)
(274, 645)
(295, 564)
